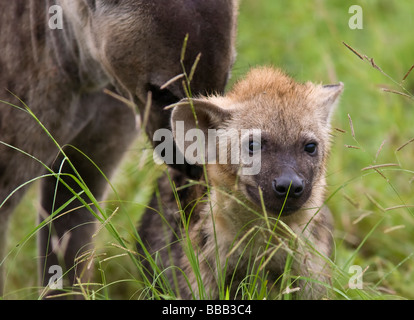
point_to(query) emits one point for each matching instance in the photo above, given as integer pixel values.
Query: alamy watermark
(356, 21)
(356, 281)
(56, 19)
(239, 147)
(56, 278)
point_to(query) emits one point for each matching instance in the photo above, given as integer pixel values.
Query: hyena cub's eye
(254, 146)
(311, 148)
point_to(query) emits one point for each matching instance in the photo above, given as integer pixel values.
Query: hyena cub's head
(267, 139)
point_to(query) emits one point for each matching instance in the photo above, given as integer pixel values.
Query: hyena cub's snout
(290, 190)
(285, 190)
(289, 184)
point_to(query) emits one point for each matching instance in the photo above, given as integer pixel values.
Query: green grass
(373, 208)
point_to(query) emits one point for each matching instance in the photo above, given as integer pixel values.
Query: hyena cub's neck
(224, 216)
(213, 235)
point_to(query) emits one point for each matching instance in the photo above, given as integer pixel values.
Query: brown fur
(128, 46)
(231, 224)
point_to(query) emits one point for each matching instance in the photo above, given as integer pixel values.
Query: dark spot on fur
(203, 238)
(162, 97)
(10, 86)
(20, 8)
(39, 32)
(315, 233)
(91, 4)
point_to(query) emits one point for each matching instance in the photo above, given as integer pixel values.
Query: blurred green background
(305, 38)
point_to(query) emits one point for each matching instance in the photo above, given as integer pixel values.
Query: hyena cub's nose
(289, 184)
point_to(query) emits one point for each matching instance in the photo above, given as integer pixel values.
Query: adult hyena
(130, 47)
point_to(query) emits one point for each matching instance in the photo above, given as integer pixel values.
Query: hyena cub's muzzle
(285, 188)
(290, 191)
(285, 194)
(289, 185)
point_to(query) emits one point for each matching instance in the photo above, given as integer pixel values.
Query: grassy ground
(373, 208)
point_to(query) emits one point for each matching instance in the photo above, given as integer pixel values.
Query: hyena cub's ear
(327, 97)
(190, 123)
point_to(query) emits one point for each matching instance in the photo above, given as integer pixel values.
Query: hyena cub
(243, 222)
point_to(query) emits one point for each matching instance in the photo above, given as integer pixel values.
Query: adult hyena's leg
(104, 140)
